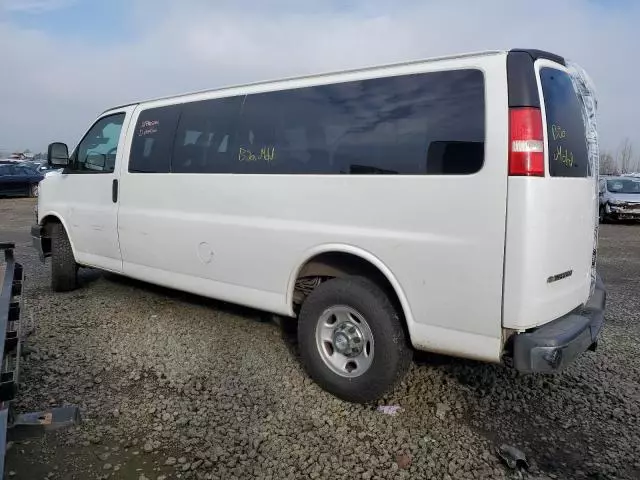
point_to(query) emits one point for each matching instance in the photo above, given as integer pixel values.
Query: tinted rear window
(430, 123)
(204, 137)
(567, 143)
(153, 140)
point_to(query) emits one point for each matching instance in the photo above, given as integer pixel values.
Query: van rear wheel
(64, 269)
(351, 339)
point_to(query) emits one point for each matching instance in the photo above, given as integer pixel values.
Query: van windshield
(623, 186)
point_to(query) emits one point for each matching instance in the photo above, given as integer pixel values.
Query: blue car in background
(18, 180)
(40, 166)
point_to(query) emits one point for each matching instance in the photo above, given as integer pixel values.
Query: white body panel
(83, 202)
(550, 224)
(534, 253)
(439, 239)
(242, 238)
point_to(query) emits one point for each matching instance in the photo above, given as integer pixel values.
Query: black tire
(391, 356)
(602, 215)
(64, 269)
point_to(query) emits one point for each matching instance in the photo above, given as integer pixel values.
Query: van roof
(535, 54)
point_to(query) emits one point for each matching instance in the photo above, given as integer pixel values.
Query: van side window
(421, 124)
(153, 140)
(430, 123)
(96, 152)
(204, 134)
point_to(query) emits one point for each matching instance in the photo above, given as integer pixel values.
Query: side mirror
(58, 155)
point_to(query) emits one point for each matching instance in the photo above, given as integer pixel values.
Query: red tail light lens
(526, 142)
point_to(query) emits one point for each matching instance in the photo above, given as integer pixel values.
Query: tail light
(526, 142)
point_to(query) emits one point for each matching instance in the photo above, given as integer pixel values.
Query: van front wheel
(64, 269)
(351, 339)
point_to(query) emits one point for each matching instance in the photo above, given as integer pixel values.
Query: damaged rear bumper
(553, 346)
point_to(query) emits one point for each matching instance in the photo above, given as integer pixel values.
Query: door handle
(114, 190)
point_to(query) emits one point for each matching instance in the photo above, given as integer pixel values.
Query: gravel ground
(176, 386)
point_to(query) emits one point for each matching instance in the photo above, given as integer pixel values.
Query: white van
(445, 205)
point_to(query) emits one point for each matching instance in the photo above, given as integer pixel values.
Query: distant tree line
(622, 160)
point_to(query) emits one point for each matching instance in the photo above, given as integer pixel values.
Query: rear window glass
(431, 123)
(204, 132)
(421, 124)
(153, 140)
(567, 142)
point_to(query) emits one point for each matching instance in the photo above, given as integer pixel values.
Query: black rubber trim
(114, 191)
(553, 346)
(521, 76)
(540, 54)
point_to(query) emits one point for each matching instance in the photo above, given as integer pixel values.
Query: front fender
(45, 219)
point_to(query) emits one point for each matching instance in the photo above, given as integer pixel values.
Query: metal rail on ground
(11, 330)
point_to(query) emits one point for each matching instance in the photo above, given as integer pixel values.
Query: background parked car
(41, 166)
(17, 179)
(619, 198)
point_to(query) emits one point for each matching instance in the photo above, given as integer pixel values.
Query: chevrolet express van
(445, 205)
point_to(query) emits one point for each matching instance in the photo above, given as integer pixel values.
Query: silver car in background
(619, 198)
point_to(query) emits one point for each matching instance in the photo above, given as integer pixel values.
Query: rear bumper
(553, 346)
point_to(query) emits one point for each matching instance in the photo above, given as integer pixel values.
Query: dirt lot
(175, 386)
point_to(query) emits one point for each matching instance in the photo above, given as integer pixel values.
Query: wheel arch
(48, 219)
(338, 260)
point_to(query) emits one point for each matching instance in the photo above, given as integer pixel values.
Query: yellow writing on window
(267, 153)
(557, 132)
(564, 156)
(245, 155)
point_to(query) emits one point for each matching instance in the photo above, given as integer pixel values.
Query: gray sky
(65, 61)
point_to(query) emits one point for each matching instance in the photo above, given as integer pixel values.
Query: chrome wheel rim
(344, 341)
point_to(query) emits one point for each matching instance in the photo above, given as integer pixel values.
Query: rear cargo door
(551, 218)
